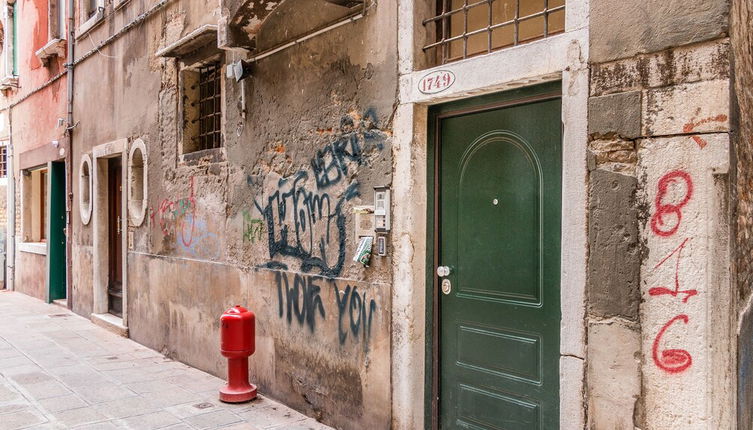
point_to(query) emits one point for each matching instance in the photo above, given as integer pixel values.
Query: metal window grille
(3, 161)
(465, 28)
(210, 107)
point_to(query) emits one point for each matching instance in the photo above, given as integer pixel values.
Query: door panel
(56, 234)
(499, 192)
(115, 284)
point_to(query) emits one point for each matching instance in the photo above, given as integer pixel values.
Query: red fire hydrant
(238, 342)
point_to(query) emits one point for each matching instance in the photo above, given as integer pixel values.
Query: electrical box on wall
(364, 221)
(382, 209)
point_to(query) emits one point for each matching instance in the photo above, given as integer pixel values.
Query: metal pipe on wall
(69, 156)
(10, 237)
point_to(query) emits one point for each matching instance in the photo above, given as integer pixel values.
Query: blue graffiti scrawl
(305, 216)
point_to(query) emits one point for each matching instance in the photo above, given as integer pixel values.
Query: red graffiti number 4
(659, 291)
(667, 218)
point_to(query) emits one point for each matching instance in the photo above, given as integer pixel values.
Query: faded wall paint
(267, 221)
(31, 274)
(35, 124)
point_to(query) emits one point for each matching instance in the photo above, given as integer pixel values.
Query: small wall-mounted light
(240, 70)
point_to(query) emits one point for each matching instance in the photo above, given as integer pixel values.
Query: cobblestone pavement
(59, 371)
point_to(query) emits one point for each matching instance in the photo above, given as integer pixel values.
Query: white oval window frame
(137, 214)
(85, 209)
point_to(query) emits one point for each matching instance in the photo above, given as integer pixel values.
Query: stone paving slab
(60, 371)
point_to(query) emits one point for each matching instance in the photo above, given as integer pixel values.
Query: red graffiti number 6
(662, 223)
(672, 360)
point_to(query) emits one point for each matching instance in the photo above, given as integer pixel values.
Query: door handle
(443, 271)
(118, 221)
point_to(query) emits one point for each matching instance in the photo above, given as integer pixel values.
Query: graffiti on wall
(692, 125)
(177, 219)
(299, 301)
(304, 217)
(674, 191)
(253, 228)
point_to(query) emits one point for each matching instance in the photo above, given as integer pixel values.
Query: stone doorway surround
(101, 154)
(560, 57)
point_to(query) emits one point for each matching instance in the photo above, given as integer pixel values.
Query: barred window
(3, 161)
(465, 28)
(201, 102)
(210, 106)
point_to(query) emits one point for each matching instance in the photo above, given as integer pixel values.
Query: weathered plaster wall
(31, 274)
(34, 124)
(269, 222)
(741, 37)
(658, 208)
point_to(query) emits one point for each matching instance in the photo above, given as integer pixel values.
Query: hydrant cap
(237, 309)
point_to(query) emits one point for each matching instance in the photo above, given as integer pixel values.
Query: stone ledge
(110, 323)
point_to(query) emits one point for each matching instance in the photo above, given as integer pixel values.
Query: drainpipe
(69, 157)
(10, 237)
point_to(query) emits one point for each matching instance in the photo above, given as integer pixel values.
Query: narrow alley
(59, 370)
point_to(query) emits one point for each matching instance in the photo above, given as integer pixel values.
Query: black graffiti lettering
(359, 314)
(302, 300)
(355, 303)
(304, 218)
(341, 303)
(315, 225)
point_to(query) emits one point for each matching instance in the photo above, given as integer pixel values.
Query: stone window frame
(85, 208)
(34, 207)
(56, 32)
(87, 23)
(188, 72)
(137, 181)
(8, 77)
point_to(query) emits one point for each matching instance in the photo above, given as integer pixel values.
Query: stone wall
(741, 37)
(659, 123)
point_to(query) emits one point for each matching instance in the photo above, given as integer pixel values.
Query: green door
(56, 232)
(499, 191)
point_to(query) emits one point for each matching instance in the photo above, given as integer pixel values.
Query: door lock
(443, 271)
(446, 286)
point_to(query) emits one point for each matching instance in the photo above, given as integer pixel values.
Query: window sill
(90, 23)
(9, 82)
(39, 248)
(53, 48)
(117, 4)
(205, 156)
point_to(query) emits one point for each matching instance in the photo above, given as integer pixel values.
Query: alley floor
(58, 371)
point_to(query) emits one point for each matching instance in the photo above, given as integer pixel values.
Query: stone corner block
(614, 374)
(614, 251)
(615, 114)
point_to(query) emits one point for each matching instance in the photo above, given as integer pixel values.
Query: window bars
(465, 28)
(210, 107)
(3, 161)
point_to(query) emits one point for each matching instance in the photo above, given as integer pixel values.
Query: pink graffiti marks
(659, 291)
(674, 191)
(689, 127)
(668, 216)
(178, 216)
(671, 360)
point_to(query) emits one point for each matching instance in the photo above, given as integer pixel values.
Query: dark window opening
(3, 161)
(210, 107)
(91, 8)
(43, 205)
